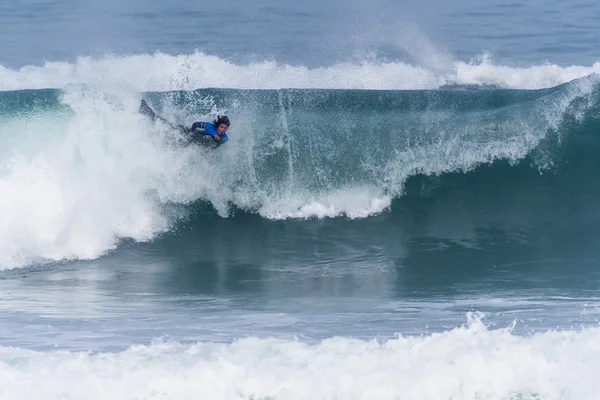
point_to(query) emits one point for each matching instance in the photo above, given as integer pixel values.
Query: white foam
(81, 182)
(163, 72)
(466, 363)
(485, 72)
(359, 202)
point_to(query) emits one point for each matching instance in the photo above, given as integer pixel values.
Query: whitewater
(165, 72)
(469, 362)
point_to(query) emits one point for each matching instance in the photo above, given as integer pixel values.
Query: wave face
(470, 362)
(80, 169)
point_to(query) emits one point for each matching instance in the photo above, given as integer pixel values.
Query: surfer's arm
(206, 128)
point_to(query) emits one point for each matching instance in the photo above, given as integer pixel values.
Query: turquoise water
(406, 208)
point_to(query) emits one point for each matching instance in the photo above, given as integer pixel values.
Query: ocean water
(407, 207)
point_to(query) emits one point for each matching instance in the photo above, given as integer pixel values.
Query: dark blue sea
(408, 206)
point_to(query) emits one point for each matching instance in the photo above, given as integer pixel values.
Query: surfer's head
(221, 124)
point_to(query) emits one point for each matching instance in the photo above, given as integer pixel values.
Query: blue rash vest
(208, 128)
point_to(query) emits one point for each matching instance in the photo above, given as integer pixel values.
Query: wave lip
(486, 73)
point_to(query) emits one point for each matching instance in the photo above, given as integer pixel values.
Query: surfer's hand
(217, 138)
(190, 134)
